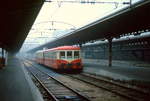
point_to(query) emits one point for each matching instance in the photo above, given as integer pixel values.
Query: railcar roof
(64, 48)
(39, 51)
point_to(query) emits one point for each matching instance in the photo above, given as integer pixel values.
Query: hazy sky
(75, 14)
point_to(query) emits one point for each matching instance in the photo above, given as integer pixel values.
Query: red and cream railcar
(61, 58)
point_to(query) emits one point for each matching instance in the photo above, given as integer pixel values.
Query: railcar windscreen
(62, 55)
(69, 54)
(76, 54)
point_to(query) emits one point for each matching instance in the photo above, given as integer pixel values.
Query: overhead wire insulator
(116, 5)
(59, 3)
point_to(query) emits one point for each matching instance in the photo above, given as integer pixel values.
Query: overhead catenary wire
(87, 1)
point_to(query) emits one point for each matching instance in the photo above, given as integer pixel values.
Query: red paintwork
(57, 64)
(73, 64)
(64, 48)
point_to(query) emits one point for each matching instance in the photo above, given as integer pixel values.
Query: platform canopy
(16, 20)
(128, 20)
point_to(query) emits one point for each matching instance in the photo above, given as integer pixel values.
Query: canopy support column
(2, 52)
(80, 45)
(110, 52)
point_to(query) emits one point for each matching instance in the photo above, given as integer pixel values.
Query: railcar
(61, 58)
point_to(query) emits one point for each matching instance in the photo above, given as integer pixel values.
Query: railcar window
(47, 55)
(76, 54)
(54, 56)
(50, 55)
(62, 55)
(69, 54)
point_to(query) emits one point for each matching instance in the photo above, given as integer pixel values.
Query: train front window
(69, 54)
(62, 55)
(76, 54)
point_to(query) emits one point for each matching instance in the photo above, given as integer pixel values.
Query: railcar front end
(69, 60)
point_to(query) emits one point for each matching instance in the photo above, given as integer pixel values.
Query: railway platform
(15, 83)
(120, 70)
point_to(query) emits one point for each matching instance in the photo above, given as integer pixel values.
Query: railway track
(124, 91)
(56, 90)
(45, 93)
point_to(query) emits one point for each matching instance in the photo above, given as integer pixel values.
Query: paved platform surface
(133, 71)
(15, 83)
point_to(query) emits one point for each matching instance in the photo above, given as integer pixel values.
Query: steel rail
(115, 83)
(48, 91)
(79, 94)
(134, 98)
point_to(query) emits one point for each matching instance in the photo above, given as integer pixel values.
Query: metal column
(80, 45)
(2, 53)
(110, 52)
